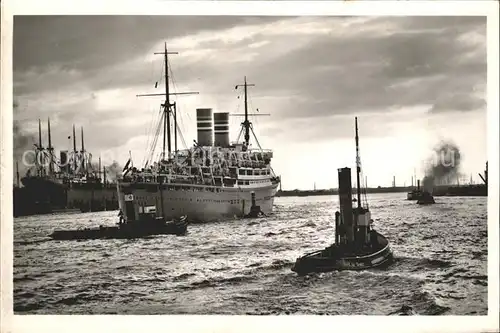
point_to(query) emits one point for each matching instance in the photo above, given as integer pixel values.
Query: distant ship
(473, 190)
(415, 193)
(67, 183)
(213, 180)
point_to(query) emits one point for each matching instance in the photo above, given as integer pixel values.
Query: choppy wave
(243, 267)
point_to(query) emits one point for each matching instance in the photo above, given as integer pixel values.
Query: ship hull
(47, 198)
(334, 259)
(200, 203)
(136, 230)
(93, 199)
(465, 191)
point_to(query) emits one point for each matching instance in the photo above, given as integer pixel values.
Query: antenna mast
(358, 163)
(167, 105)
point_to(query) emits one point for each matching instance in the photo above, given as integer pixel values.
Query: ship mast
(74, 150)
(358, 164)
(166, 112)
(51, 150)
(39, 158)
(246, 124)
(17, 173)
(485, 178)
(167, 106)
(83, 154)
(175, 127)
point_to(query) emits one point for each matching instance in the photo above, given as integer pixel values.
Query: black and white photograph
(251, 165)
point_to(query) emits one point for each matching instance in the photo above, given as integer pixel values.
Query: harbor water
(243, 266)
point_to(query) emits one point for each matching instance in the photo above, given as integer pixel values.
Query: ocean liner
(69, 182)
(212, 180)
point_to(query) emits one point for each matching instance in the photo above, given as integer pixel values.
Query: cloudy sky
(411, 81)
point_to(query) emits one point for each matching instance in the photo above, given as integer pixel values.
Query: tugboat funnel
(346, 212)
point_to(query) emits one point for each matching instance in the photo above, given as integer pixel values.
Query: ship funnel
(221, 129)
(205, 127)
(346, 211)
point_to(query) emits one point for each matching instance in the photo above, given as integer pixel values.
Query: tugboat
(426, 198)
(255, 210)
(148, 224)
(415, 193)
(357, 245)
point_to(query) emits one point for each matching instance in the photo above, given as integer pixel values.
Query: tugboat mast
(358, 164)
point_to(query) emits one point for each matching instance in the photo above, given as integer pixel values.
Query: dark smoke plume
(22, 141)
(442, 166)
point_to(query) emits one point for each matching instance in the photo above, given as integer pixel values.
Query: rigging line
(180, 119)
(151, 133)
(179, 129)
(365, 193)
(362, 180)
(255, 118)
(239, 135)
(148, 134)
(181, 137)
(158, 131)
(258, 144)
(160, 81)
(155, 138)
(235, 123)
(150, 152)
(255, 137)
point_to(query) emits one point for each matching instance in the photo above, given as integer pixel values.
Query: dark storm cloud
(76, 48)
(62, 65)
(369, 72)
(93, 42)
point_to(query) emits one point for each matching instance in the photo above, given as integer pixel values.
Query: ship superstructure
(212, 180)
